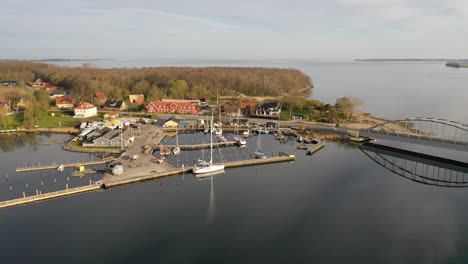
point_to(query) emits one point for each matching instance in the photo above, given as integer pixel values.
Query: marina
(139, 163)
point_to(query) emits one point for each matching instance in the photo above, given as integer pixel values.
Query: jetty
(48, 196)
(65, 165)
(135, 174)
(197, 146)
(311, 150)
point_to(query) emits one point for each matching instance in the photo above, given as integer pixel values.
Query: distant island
(412, 59)
(456, 64)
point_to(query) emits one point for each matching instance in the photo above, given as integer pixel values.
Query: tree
(178, 89)
(41, 103)
(154, 93)
(141, 87)
(5, 118)
(291, 101)
(348, 105)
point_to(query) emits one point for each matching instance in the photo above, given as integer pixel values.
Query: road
(323, 128)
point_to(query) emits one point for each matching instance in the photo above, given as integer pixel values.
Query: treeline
(159, 82)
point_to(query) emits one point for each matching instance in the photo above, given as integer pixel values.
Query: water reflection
(10, 142)
(422, 169)
(211, 204)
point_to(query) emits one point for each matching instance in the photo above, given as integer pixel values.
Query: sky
(240, 29)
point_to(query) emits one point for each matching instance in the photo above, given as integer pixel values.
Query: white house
(85, 109)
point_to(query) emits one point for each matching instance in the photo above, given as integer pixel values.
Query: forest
(160, 82)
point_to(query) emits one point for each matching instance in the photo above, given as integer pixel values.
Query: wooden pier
(130, 180)
(65, 165)
(198, 146)
(311, 150)
(49, 196)
(188, 169)
(252, 162)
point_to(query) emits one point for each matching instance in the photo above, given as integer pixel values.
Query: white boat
(259, 154)
(161, 159)
(176, 150)
(246, 133)
(208, 167)
(240, 141)
(60, 168)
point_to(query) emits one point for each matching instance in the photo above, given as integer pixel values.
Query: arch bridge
(419, 167)
(422, 130)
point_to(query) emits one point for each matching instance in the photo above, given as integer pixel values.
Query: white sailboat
(259, 154)
(204, 166)
(176, 150)
(239, 141)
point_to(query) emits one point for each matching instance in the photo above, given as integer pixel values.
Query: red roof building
(171, 107)
(85, 109)
(247, 104)
(4, 103)
(138, 99)
(64, 102)
(48, 86)
(100, 98)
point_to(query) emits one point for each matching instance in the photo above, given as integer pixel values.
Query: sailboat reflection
(418, 167)
(211, 203)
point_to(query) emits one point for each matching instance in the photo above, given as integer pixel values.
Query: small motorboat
(176, 151)
(60, 168)
(161, 159)
(260, 155)
(165, 151)
(246, 133)
(240, 141)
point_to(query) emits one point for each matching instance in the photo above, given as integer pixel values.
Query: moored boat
(202, 166)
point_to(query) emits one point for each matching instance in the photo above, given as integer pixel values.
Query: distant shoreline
(58, 60)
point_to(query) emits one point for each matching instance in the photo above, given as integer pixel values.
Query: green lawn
(63, 120)
(58, 120)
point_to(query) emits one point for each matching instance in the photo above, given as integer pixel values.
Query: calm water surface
(337, 206)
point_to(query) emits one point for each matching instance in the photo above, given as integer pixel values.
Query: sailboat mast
(219, 108)
(211, 139)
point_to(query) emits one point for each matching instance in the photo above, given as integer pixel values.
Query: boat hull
(208, 169)
(176, 151)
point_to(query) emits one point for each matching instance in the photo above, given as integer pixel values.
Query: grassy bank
(58, 120)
